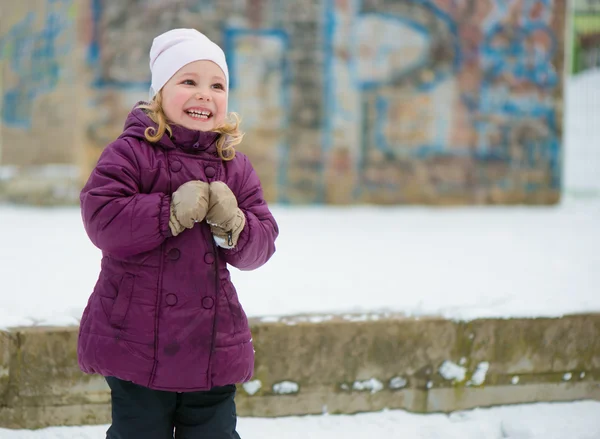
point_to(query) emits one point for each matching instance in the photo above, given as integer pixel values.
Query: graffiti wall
(343, 101)
(38, 88)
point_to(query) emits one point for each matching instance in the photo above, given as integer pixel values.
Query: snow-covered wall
(422, 101)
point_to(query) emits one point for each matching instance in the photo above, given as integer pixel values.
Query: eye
(219, 86)
(189, 82)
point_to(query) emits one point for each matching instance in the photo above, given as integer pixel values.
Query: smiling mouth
(199, 115)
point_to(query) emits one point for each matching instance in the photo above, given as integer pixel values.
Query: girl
(170, 203)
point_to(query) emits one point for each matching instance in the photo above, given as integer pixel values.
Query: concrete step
(340, 364)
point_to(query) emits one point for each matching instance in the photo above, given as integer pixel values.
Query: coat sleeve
(118, 218)
(256, 243)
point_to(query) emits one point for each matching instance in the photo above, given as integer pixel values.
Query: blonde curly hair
(230, 137)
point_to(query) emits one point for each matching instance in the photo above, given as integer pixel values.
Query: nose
(202, 96)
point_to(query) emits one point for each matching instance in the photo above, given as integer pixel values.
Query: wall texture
(39, 83)
(344, 101)
(343, 364)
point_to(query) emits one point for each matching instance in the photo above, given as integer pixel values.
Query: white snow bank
(536, 421)
(458, 263)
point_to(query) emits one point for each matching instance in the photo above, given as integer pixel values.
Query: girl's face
(196, 97)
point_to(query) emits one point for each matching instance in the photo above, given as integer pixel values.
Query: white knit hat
(178, 47)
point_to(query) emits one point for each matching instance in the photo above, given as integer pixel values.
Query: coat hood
(183, 138)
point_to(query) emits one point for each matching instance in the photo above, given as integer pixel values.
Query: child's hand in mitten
(189, 205)
(224, 216)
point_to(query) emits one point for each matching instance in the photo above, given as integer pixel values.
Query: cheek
(173, 104)
(222, 106)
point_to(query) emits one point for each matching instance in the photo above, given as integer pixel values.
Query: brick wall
(379, 101)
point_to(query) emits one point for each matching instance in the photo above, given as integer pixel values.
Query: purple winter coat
(164, 313)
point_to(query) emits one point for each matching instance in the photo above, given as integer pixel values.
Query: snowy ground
(540, 421)
(460, 263)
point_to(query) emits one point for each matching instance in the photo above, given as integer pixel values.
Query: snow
(398, 383)
(8, 172)
(578, 420)
(458, 263)
(373, 385)
(285, 387)
(452, 371)
(251, 387)
(479, 375)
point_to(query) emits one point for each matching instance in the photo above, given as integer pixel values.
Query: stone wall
(349, 364)
(378, 101)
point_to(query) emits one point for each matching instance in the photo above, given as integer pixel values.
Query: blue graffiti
(93, 55)
(511, 52)
(34, 58)
(424, 61)
(425, 85)
(531, 64)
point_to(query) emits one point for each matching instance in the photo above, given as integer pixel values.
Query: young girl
(170, 203)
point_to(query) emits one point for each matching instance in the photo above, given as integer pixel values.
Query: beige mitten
(228, 237)
(174, 224)
(189, 205)
(224, 216)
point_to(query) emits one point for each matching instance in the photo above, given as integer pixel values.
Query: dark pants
(142, 413)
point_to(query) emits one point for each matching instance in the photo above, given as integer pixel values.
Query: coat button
(209, 258)
(173, 254)
(210, 172)
(172, 299)
(207, 303)
(176, 166)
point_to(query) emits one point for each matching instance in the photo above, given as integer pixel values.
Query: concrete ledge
(43, 185)
(5, 344)
(309, 365)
